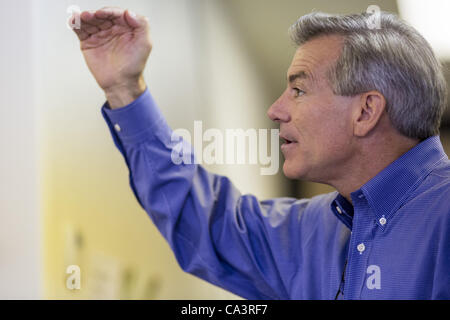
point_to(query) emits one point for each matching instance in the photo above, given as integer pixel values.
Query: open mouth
(287, 145)
(287, 141)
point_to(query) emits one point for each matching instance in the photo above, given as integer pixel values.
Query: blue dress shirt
(393, 243)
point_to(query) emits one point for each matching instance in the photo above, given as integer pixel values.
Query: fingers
(95, 21)
(82, 35)
(109, 13)
(134, 20)
(107, 16)
(88, 17)
(106, 25)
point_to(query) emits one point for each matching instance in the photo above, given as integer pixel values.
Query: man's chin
(291, 173)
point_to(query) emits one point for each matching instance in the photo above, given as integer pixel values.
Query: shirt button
(383, 221)
(117, 127)
(361, 247)
(339, 210)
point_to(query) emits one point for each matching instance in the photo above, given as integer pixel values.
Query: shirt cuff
(132, 121)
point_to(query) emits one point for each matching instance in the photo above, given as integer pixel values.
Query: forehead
(316, 56)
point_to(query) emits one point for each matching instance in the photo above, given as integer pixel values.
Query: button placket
(361, 247)
(359, 250)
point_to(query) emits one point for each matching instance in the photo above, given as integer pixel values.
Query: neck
(371, 158)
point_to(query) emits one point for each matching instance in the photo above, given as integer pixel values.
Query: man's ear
(368, 112)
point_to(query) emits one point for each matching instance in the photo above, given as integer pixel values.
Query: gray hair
(393, 59)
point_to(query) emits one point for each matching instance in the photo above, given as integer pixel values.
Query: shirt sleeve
(231, 240)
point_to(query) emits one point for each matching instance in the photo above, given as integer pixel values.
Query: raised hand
(116, 45)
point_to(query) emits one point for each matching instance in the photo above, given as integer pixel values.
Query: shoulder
(299, 211)
(323, 201)
(318, 209)
(437, 184)
(433, 192)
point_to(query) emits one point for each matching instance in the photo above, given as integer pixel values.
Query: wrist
(122, 95)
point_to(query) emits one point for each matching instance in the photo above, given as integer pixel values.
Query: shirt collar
(390, 188)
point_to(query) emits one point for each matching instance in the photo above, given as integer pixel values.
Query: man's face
(315, 120)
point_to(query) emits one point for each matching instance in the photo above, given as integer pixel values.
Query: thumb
(134, 20)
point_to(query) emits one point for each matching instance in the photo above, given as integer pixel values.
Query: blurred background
(65, 197)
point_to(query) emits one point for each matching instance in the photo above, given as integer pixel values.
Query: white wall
(20, 252)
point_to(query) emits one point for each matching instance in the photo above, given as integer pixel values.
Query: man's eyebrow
(298, 75)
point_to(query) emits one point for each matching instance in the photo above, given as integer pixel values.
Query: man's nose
(278, 111)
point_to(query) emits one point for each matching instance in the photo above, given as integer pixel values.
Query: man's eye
(298, 92)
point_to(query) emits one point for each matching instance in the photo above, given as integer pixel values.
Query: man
(361, 112)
